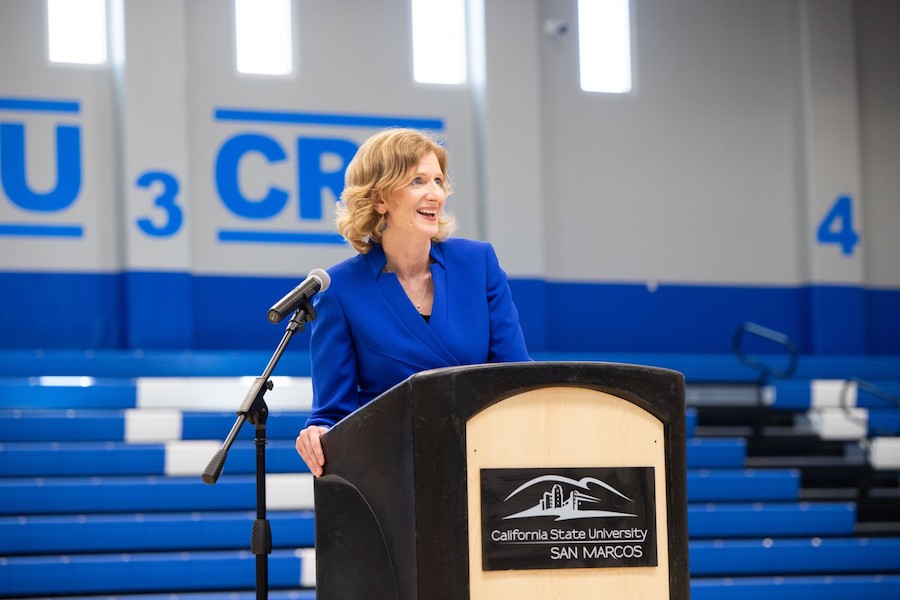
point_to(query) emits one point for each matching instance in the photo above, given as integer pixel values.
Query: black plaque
(568, 518)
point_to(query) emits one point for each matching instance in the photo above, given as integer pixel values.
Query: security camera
(555, 27)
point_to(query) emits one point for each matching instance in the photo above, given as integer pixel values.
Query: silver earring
(382, 225)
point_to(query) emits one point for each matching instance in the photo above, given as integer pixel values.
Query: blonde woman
(413, 298)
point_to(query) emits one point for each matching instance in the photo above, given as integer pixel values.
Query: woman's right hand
(309, 447)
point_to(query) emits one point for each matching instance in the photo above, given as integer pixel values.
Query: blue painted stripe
(289, 594)
(159, 363)
(279, 425)
(743, 485)
(97, 425)
(144, 572)
(238, 492)
(40, 105)
(125, 494)
(791, 395)
(801, 556)
(74, 459)
(716, 453)
(172, 324)
(690, 418)
(884, 422)
(612, 319)
(46, 459)
(62, 310)
(771, 519)
(96, 393)
(109, 363)
(334, 119)
(294, 529)
(81, 459)
(824, 587)
(279, 237)
(796, 394)
(61, 425)
(148, 532)
(55, 231)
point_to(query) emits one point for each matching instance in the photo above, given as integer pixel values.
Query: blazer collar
(377, 259)
(396, 298)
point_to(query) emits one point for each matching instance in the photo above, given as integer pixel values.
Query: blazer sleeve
(333, 358)
(507, 342)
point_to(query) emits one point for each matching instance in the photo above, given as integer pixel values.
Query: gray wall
(747, 121)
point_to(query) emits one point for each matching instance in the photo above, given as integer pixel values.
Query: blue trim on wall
(883, 320)
(40, 105)
(530, 296)
(837, 319)
(230, 313)
(334, 119)
(280, 237)
(671, 318)
(61, 310)
(159, 310)
(29, 230)
(174, 311)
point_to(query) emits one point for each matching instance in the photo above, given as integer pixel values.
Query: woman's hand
(309, 447)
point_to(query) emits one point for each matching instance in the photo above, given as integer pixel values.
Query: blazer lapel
(416, 327)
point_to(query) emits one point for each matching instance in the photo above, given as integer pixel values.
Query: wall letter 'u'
(13, 172)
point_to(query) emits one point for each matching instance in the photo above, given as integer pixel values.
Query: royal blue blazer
(368, 336)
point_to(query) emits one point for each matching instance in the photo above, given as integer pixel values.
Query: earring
(382, 225)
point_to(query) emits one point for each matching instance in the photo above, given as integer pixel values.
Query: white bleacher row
(198, 394)
(220, 393)
(834, 414)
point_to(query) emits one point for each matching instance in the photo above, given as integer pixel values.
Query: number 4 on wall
(837, 226)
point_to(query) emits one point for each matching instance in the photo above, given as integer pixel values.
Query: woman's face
(416, 207)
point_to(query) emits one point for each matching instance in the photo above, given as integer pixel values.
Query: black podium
(516, 480)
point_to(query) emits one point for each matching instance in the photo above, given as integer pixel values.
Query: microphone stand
(254, 409)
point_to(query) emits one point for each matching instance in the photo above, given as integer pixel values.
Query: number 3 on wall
(165, 200)
(837, 226)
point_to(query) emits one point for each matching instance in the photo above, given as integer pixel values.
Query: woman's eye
(439, 181)
(417, 181)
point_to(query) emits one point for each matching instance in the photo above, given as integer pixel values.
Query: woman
(413, 298)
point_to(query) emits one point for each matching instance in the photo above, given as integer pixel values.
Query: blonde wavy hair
(381, 166)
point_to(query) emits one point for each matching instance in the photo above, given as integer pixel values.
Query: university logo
(568, 518)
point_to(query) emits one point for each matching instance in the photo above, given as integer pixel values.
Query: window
(604, 39)
(439, 41)
(76, 31)
(263, 30)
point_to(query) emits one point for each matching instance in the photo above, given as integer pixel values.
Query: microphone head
(323, 277)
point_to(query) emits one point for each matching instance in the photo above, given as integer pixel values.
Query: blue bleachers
(771, 519)
(145, 572)
(794, 556)
(206, 530)
(236, 492)
(99, 459)
(76, 495)
(818, 587)
(743, 485)
(86, 425)
(107, 513)
(798, 394)
(67, 459)
(147, 532)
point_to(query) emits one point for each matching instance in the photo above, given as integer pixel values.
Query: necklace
(422, 299)
(424, 290)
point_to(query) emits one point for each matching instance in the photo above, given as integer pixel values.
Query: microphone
(317, 281)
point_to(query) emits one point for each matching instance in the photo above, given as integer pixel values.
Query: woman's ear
(379, 204)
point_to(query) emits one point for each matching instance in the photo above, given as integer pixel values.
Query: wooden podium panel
(398, 515)
(572, 427)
